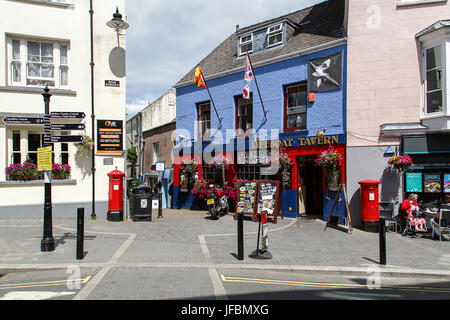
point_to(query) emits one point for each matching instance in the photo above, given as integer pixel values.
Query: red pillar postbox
(115, 196)
(370, 211)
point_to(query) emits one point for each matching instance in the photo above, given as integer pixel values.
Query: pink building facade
(398, 101)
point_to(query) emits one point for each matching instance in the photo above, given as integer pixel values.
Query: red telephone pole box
(115, 196)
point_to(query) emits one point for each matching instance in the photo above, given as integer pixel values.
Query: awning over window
(426, 144)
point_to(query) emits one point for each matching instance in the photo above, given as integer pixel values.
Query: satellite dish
(117, 62)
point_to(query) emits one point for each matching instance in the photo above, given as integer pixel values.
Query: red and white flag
(247, 77)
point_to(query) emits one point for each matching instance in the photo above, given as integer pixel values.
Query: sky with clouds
(168, 38)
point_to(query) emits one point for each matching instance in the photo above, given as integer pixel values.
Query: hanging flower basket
(86, 145)
(401, 163)
(331, 161)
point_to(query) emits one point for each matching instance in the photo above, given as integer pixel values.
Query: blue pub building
(297, 100)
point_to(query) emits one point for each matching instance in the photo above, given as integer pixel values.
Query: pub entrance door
(310, 191)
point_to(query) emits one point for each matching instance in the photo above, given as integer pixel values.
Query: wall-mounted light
(117, 24)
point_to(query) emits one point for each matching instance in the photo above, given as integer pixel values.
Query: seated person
(443, 206)
(411, 208)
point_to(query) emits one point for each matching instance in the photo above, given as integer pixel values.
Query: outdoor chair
(437, 228)
(387, 212)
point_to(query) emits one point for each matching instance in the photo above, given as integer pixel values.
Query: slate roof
(313, 26)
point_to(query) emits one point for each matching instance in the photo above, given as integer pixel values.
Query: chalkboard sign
(246, 198)
(268, 198)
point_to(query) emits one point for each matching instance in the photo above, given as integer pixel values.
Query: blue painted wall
(327, 111)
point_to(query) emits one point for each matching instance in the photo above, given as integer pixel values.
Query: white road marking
(34, 295)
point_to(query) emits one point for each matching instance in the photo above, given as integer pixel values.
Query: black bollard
(160, 205)
(80, 232)
(382, 236)
(240, 231)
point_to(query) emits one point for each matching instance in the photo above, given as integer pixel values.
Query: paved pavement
(189, 241)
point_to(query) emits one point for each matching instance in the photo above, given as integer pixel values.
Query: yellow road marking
(327, 285)
(43, 284)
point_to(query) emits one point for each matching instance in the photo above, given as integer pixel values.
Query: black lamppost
(47, 243)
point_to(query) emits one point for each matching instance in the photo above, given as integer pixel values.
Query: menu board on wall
(432, 182)
(413, 181)
(268, 195)
(246, 198)
(447, 182)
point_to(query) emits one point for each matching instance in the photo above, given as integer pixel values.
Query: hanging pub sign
(446, 182)
(325, 73)
(413, 181)
(432, 183)
(109, 136)
(268, 196)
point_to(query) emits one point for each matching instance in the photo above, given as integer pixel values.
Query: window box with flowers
(331, 161)
(401, 164)
(27, 171)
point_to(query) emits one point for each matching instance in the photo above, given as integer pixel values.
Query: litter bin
(141, 203)
(370, 210)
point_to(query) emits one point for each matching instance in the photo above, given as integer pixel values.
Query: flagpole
(217, 114)
(257, 87)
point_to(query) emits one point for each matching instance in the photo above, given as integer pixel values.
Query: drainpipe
(140, 145)
(91, 12)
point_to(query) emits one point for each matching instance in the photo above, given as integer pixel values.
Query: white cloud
(168, 38)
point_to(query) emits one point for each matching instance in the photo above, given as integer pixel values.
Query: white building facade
(48, 43)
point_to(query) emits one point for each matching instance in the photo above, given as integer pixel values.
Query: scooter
(217, 204)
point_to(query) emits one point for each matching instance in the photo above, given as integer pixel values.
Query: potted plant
(401, 163)
(330, 160)
(231, 189)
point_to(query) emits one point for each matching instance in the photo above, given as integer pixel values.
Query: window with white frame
(38, 63)
(275, 34)
(433, 80)
(246, 44)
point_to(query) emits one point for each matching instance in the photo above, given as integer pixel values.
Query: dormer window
(246, 44)
(275, 34)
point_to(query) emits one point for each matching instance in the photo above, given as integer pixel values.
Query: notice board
(109, 136)
(268, 199)
(413, 181)
(246, 199)
(432, 183)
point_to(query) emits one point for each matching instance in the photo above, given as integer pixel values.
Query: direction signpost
(67, 115)
(67, 139)
(23, 120)
(66, 126)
